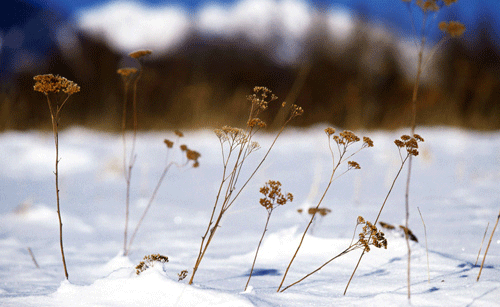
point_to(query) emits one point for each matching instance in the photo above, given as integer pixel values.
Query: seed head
(49, 83)
(140, 53)
(127, 71)
(453, 28)
(169, 143)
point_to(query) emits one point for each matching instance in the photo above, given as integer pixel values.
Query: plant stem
(153, 196)
(488, 246)
(55, 123)
(258, 247)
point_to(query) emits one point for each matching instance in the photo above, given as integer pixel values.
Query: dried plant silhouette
(236, 146)
(271, 200)
(60, 89)
(129, 75)
(451, 29)
(344, 141)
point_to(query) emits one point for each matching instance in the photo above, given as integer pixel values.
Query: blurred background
(348, 63)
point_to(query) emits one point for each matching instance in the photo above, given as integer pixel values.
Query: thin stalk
(482, 241)
(55, 122)
(488, 246)
(151, 199)
(426, 248)
(258, 247)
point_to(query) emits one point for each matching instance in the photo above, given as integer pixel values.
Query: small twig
(481, 247)
(33, 258)
(426, 248)
(488, 246)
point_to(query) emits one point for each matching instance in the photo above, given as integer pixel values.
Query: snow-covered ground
(455, 184)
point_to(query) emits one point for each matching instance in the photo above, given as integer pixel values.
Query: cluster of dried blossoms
(148, 261)
(313, 210)
(54, 84)
(191, 155)
(370, 236)
(453, 28)
(272, 195)
(409, 143)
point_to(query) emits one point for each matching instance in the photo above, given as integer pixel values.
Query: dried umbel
(273, 196)
(409, 143)
(148, 262)
(54, 84)
(140, 53)
(453, 28)
(370, 236)
(182, 275)
(127, 71)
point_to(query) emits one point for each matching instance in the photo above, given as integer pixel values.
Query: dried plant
(129, 75)
(451, 29)
(407, 148)
(312, 211)
(271, 200)
(344, 141)
(148, 262)
(182, 275)
(236, 146)
(488, 247)
(191, 158)
(60, 89)
(369, 236)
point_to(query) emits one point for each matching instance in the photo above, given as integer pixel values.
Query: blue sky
(391, 12)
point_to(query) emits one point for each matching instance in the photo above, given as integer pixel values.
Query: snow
(454, 184)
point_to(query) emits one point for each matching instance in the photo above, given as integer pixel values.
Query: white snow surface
(455, 184)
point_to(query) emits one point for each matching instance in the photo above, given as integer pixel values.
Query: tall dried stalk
(453, 29)
(240, 145)
(129, 74)
(48, 84)
(344, 141)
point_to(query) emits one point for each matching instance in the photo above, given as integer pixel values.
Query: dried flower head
(367, 142)
(273, 196)
(127, 71)
(329, 131)
(353, 165)
(370, 235)
(169, 143)
(49, 83)
(148, 261)
(321, 211)
(183, 147)
(178, 133)
(453, 28)
(386, 225)
(256, 122)
(408, 232)
(140, 53)
(182, 275)
(428, 5)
